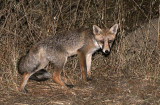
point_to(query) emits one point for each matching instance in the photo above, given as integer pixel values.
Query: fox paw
(89, 79)
(24, 91)
(70, 86)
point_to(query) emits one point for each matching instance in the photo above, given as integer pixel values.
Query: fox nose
(107, 52)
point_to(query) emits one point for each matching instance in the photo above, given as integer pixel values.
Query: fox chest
(73, 48)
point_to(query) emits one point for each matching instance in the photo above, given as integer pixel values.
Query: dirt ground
(102, 90)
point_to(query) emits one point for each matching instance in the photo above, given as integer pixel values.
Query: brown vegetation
(129, 75)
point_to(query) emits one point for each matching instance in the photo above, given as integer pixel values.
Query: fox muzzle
(106, 52)
(106, 49)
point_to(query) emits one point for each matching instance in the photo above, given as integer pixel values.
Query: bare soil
(102, 90)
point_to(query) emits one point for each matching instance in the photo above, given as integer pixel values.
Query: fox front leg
(83, 65)
(88, 63)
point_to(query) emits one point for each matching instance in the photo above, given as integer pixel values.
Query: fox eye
(110, 41)
(102, 41)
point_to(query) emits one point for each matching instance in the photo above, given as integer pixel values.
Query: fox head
(105, 38)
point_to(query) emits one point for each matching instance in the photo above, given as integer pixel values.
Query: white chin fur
(104, 50)
(100, 46)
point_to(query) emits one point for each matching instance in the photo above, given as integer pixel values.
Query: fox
(57, 48)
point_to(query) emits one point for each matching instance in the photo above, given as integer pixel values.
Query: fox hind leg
(57, 73)
(24, 82)
(26, 76)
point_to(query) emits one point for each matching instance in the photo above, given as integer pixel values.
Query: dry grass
(129, 75)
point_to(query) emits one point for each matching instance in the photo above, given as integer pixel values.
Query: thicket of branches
(24, 22)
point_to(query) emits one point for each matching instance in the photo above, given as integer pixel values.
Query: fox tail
(41, 75)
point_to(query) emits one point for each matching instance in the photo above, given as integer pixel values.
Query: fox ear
(114, 29)
(96, 30)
